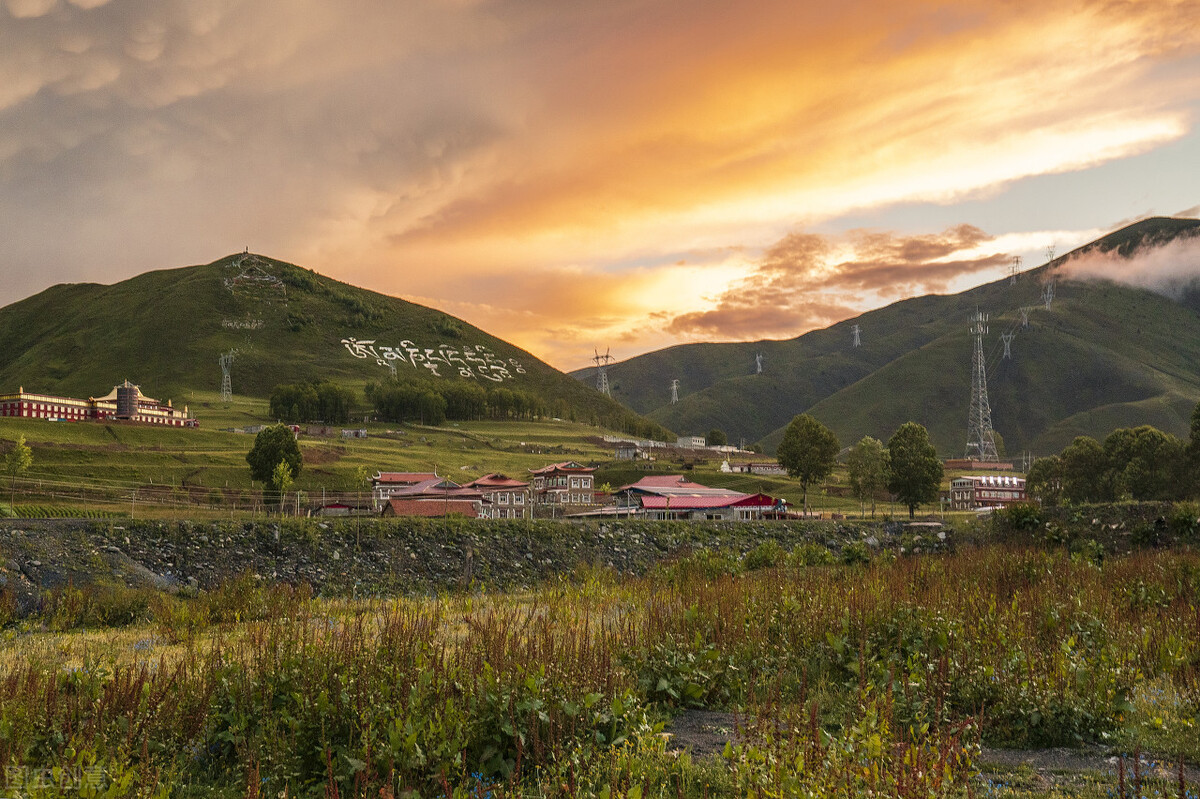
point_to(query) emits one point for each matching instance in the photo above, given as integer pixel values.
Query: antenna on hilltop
(1015, 269)
(674, 391)
(226, 361)
(856, 330)
(602, 362)
(980, 436)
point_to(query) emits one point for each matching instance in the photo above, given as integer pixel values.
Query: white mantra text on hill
(473, 361)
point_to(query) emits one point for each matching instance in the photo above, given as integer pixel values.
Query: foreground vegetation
(848, 678)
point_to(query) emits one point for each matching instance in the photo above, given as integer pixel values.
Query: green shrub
(810, 554)
(1184, 520)
(766, 555)
(856, 553)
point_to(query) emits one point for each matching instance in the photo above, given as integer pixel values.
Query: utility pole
(602, 362)
(980, 436)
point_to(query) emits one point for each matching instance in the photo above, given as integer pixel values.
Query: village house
(675, 497)
(436, 497)
(385, 484)
(509, 498)
(561, 484)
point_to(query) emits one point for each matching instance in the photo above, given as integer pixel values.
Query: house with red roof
(436, 496)
(509, 498)
(562, 484)
(385, 484)
(676, 497)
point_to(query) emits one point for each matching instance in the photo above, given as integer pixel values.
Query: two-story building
(509, 498)
(385, 485)
(986, 491)
(561, 484)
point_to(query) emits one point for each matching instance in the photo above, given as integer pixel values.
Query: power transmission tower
(1050, 254)
(1048, 294)
(674, 391)
(758, 363)
(980, 436)
(1025, 317)
(602, 362)
(1007, 339)
(857, 339)
(226, 361)
(1015, 269)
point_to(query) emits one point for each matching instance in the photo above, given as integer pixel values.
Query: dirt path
(705, 732)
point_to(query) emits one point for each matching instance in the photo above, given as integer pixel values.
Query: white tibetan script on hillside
(472, 361)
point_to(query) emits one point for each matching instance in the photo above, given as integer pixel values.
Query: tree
(716, 438)
(1044, 480)
(1083, 471)
(281, 483)
(1145, 463)
(808, 451)
(272, 445)
(16, 463)
(914, 470)
(867, 463)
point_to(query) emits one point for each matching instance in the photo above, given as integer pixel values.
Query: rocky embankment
(372, 557)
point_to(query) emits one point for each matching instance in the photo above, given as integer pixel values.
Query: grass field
(877, 679)
(120, 468)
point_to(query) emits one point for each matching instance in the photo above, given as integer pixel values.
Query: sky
(575, 175)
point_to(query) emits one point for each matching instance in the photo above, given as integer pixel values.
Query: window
(518, 499)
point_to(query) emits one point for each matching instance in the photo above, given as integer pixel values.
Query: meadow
(123, 469)
(864, 675)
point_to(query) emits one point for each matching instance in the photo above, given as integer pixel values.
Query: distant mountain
(166, 329)
(1104, 356)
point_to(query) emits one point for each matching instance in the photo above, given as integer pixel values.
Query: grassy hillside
(1104, 355)
(165, 330)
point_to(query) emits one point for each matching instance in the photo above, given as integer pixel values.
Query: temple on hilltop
(125, 403)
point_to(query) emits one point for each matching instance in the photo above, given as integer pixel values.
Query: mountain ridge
(919, 348)
(166, 328)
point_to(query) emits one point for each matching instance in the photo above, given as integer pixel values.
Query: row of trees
(1138, 463)
(319, 400)
(408, 402)
(908, 467)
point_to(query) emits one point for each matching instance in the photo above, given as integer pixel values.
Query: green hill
(1105, 355)
(166, 329)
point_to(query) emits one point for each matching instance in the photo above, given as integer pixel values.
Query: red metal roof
(403, 478)
(495, 481)
(706, 502)
(565, 466)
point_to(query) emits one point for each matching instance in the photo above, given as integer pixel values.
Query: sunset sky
(571, 174)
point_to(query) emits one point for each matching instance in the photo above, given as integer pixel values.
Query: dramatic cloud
(1172, 269)
(807, 281)
(562, 172)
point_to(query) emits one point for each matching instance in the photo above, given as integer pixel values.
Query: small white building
(690, 442)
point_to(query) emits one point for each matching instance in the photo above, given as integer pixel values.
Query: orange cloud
(807, 281)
